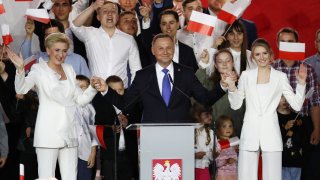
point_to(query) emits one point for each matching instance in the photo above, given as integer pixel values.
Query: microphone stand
(115, 146)
(214, 149)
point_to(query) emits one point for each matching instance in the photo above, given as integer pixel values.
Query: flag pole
(227, 30)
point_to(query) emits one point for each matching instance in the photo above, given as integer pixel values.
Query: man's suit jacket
(145, 89)
(261, 127)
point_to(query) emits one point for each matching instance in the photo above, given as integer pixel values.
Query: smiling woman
(55, 134)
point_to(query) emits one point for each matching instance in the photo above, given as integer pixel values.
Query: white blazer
(261, 126)
(55, 126)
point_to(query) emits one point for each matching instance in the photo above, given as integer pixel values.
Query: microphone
(177, 88)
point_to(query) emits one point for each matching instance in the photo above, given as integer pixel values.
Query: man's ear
(152, 49)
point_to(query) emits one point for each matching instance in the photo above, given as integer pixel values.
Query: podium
(166, 147)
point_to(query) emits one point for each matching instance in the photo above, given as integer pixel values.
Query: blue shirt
(75, 60)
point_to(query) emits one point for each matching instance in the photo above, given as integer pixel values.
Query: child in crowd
(87, 145)
(28, 106)
(292, 137)
(226, 159)
(203, 141)
(116, 83)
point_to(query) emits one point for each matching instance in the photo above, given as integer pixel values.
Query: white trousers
(67, 158)
(248, 165)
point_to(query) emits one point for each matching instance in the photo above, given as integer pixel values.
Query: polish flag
(21, 172)
(2, 10)
(40, 15)
(232, 11)
(224, 144)
(292, 51)
(29, 62)
(201, 23)
(6, 37)
(97, 132)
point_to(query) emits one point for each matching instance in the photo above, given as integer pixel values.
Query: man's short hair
(169, 12)
(113, 79)
(317, 33)
(107, 2)
(159, 36)
(184, 4)
(288, 30)
(53, 23)
(123, 13)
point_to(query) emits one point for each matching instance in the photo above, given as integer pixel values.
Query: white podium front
(166, 150)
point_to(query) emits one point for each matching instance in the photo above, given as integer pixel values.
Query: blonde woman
(262, 89)
(55, 137)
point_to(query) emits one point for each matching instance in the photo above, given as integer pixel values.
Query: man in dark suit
(165, 88)
(169, 24)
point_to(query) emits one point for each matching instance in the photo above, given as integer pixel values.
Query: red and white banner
(224, 144)
(40, 15)
(201, 23)
(29, 62)
(97, 132)
(6, 37)
(2, 10)
(21, 168)
(167, 169)
(292, 51)
(232, 11)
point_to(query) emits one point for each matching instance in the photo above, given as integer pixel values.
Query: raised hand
(218, 42)
(301, 74)
(15, 59)
(97, 4)
(145, 11)
(204, 57)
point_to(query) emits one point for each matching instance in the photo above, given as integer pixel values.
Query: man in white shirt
(109, 50)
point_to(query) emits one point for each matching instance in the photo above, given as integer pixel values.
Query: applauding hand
(15, 59)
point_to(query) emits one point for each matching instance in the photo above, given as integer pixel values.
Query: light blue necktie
(166, 88)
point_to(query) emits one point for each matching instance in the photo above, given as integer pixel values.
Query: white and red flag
(97, 131)
(292, 51)
(232, 11)
(40, 15)
(21, 173)
(201, 23)
(224, 144)
(2, 10)
(6, 37)
(29, 62)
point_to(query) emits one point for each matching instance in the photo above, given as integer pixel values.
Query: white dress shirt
(160, 75)
(201, 146)
(84, 117)
(109, 55)
(175, 57)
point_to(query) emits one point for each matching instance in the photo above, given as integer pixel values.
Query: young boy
(292, 138)
(87, 145)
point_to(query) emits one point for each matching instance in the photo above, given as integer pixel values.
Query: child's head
(83, 81)
(224, 127)
(116, 83)
(201, 114)
(283, 104)
(223, 61)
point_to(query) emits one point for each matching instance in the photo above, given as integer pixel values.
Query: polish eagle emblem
(166, 172)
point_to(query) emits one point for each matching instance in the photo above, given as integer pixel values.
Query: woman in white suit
(55, 136)
(262, 89)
